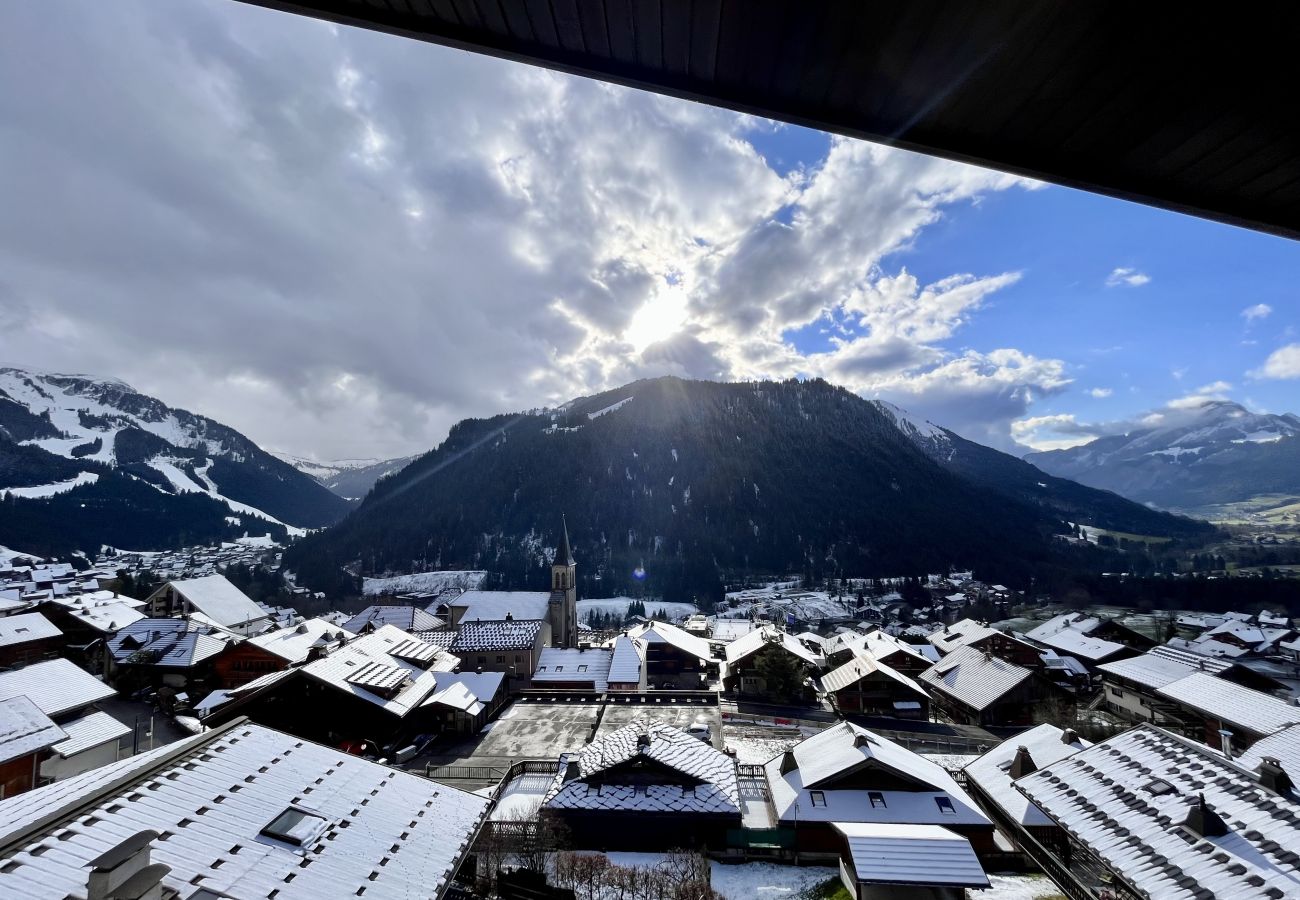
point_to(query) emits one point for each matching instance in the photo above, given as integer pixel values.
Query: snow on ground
(264, 541)
(7, 556)
(609, 409)
(49, 490)
(1017, 887)
(762, 881)
(754, 751)
(425, 583)
(654, 609)
(521, 798)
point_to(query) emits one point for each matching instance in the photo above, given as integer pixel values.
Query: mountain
(1216, 453)
(351, 479)
(686, 483)
(87, 461)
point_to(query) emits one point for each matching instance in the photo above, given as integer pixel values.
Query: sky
(341, 243)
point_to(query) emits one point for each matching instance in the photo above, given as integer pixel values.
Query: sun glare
(659, 318)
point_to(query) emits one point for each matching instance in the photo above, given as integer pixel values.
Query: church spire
(564, 555)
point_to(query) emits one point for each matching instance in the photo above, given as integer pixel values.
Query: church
(505, 631)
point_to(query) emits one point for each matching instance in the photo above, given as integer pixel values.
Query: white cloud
(1206, 393)
(341, 242)
(1100, 393)
(1126, 277)
(1282, 363)
(1254, 313)
(1054, 432)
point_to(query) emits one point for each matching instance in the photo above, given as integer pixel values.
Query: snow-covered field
(49, 490)
(762, 881)
(425, 583)
(655, 609)
(7, 555)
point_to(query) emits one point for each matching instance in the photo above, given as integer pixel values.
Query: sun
(659, 318)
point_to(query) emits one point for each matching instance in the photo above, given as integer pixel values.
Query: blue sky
(274, 221)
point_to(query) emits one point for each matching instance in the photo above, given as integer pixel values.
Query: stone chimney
(1023, 764)
(1273, 776)
(125, 871)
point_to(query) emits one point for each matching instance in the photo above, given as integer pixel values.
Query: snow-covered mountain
(1216, 453)
(85, 461)
(351, 479)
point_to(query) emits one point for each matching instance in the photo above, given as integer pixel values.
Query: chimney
(788, 763)
(125, 871)
(1023, 764)
(571, 771)
(1225, 742)
(1273, 776)
(1203, 820)
(643, 739)
(1069, 736)
(861, 740)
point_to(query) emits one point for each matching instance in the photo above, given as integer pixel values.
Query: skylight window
(296, 826)
(1159, 787)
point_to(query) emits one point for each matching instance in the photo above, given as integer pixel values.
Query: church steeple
(564, 593)
(564, 556)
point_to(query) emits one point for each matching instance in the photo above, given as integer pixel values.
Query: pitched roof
(392, 834)
(555, 664)
(663, 633)
(1192, 660)
(369, 669)
(716, 793)
(470, 692)
(1068, 638)
(90, 731)
(478, 637)
(1284, 746)
(1150, 670)
(960, 634)
(102, 610)
(625, 664)
(911, 855)
(57, 686)
(26, 627)
(1127, 797)
(219, 600)
(24, 729)
(293, 643)
(883, 645)
(769, 636)
(991, 772)
(1231, 703)
(172, 643)
(974, 677)
(494, 606)
(407, 618)
(859, 668)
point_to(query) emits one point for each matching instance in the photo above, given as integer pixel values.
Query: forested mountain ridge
(691, 483)
(87, 461)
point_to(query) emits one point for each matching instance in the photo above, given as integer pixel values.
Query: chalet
(906, 862)
(1080, 636)
(210, 600)
(745, 663)
(896, 653)
(178, 654)
(1094, 626)
(88, 621)
(1227, 714)
(971, 634)
(509, 646)
(978, 688)
(408, 618)
(847, 774)
(463, 702)
(28, 638)
(626, 666)
(672, 658)
(1162, 816)
(26, 738)
(989, 780)
(1130, 686)
(241, 811)
(68, 695)
(646, 786)
(242, 661)
(573, 670)
(867, 686)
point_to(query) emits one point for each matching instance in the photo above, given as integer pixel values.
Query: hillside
(1219, 453)
(351, 479)
(86, 461)
(694, 482)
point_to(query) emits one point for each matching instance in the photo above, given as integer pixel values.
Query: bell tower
(563, 606)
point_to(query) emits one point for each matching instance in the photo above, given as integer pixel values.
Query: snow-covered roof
(26, 627)
(556, 664)
(57, 686)
(846, 749)
(172, 643)
(974, 677)
(757, 640)
(911, 855)
(1231, 703)
(478, 637)
(293, 644)
(219, 600)
(1126, 798)
(1072, 633)
(382, 832)
(1150, 670)
(716, 790)
(731, 629)
(407, 618)
(883, 645)
(960, 634)
(859, 668)
(1045, 745)
(625, 664)
(24, 729)
(663, 633)
(1078, 621)
(103, 611)
(1193, 660)
(470, 692)
(1284, 746)
(90, 731)
(494, 606)
(370, 669)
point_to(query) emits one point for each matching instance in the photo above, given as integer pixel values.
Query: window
(295, 826)
(818, 798)
(559, 668)
(582, 668)
(945, 806)
(501, 657)
(1159, 787)
(877, 799)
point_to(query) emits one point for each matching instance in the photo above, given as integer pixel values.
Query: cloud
(1254, 313)
(1100, 393)
(342, 242)
(1055, 432)
(1126, 277)
(1282, 363)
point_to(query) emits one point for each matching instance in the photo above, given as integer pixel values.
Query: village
(836, 741)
